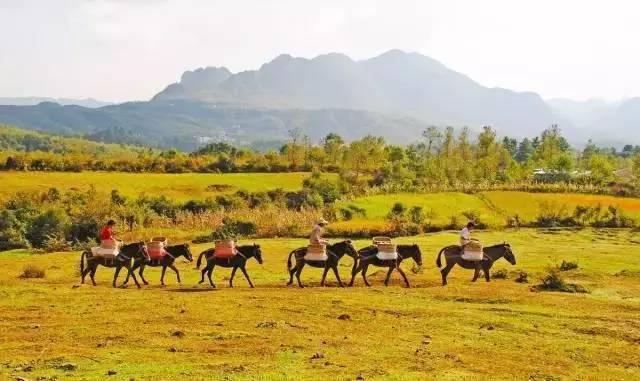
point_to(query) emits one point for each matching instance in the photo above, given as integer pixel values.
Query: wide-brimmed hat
(322, 221)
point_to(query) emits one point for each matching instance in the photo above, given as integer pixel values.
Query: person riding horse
(316, 233)
(465, 234)
(106, 234)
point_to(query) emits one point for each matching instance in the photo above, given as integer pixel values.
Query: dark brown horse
(453, 256)
(335, 252)
(135, 251)
(368, 257)
(173, 252)
(238, 261)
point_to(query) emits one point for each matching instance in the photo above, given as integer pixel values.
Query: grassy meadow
(180, 187)
(54, 327)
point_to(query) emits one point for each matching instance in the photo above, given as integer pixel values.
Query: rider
(465, 234)
(106, 234)
(316, 233)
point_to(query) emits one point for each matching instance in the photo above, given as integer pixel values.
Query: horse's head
(257, 252)
(411, 251)
(417, 254)
(186, 251)
(508, 254)
(349, 249)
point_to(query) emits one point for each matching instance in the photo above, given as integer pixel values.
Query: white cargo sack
(316, 253)
(98, 251)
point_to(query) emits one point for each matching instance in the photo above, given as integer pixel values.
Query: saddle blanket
(98, 251)
(156, 253)
(387, 255)
(472, 255)
(316, 257)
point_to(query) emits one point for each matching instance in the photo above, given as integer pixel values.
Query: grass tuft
(32, 272)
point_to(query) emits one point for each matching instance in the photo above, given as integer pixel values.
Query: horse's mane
(504, 244)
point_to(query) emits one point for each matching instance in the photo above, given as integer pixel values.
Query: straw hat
(322, 221)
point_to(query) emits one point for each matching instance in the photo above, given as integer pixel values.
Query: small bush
(568, 265)
(500, 274)
(32, 272)
(553, 281)
(522, 277)
(55, 243)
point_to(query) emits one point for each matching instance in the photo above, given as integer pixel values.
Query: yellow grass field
(52, 328)
(179, 187)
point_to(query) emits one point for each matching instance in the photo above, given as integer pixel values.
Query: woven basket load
(317, 249)
(386, 247)
(379, 240)
(225, 248)
(163, 240)
(473, 246)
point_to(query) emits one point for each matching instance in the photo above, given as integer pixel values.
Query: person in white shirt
(465, 234)
(316, 233)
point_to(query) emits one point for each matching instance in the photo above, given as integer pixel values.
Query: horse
(173, 252)
(335, 252)
(237, 261)
(368, 257)
(453, 256)
(137, 251)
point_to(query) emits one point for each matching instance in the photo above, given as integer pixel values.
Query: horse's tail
(438, 261)
(200, 259)
(289, 263)
(84, 254)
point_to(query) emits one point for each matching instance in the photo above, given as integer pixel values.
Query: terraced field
(55, 328)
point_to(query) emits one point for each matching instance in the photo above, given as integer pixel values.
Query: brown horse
(135, 251)
(173, 252)
(237, 261)
(453, 256)
(335, 252)
(368, 257)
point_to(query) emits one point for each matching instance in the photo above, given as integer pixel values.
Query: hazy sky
(130, 49)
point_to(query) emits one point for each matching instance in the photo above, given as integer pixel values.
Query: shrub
(522, 277)
(553, 214)
(553, 281)
(51, 223)
(55, 244)
(12, 231)
(32, 272)
(200, 206)
(416, 215)
(568, 265)
(500, 274)
(234, 229)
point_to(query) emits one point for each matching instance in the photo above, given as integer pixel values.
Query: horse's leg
(115, 275)
(92, 274)
(175, 269)
(142, 267)
(164, 270)
(292, 272)
(233, 273)
(386, 281)
(364, 275)
(324, 274)
(335, 272)
(404, 276)
(84, 273)
(476, 272)
(204, 271)
(487, 275)
(209, 273)
(244, 271)
(445, 271)
(298, 272)
(354, 273)
(133, 275)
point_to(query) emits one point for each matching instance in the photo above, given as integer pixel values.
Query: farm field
(494, 207)
(181, 187)
(52, 327)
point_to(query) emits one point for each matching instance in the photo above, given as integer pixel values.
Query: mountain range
(32, 101)
(395, 95)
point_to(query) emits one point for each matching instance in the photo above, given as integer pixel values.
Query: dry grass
(498, 330)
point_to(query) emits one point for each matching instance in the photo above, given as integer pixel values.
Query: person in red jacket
(107, 231)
